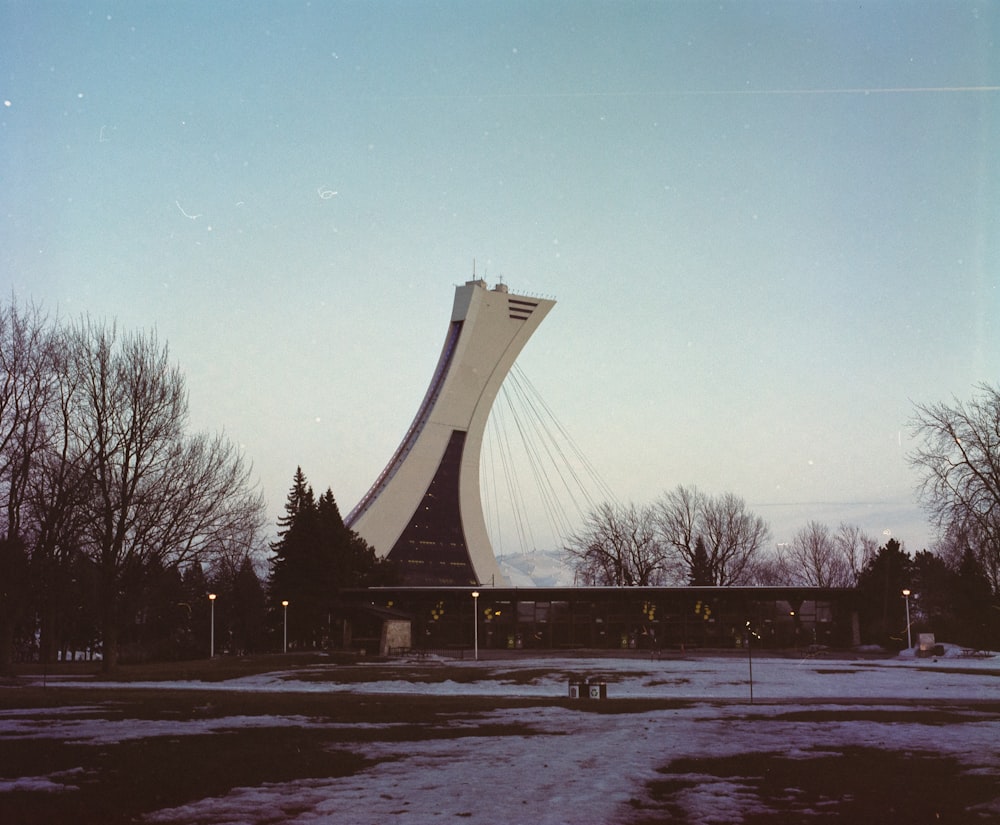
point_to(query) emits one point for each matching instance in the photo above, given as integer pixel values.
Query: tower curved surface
(424, 510)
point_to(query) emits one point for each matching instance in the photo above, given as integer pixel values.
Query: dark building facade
(608, 618)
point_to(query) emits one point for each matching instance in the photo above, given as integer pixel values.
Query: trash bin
(588, 690)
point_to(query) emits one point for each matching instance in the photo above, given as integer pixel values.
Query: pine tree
(932, 603)
(880, 589)
(300, 501)
(334, 537)
(701, 568)
(975, 605)
(316, 555)
(249, 609)
(353, 561)
(298, 572)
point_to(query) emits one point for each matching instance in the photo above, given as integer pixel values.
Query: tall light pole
(211, 649)
(906, 598)
(475, 618)
(284, 604)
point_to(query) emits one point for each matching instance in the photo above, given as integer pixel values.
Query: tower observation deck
(425, 511)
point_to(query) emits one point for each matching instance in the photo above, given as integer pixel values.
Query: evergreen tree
(976, 608)
(932, 604)
(249, 609)
(298, 572)
(701, 568)
(953, 600)
(335, 540)
(353, 559)
(315, 556)
(880, 589)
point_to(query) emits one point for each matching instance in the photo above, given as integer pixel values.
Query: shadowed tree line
(669, 544)
(958, 461)
(117, 521)
(950, 596)
(684, 537)
(688, 537)
(112, 508)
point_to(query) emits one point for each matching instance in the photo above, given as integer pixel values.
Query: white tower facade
(425, 510)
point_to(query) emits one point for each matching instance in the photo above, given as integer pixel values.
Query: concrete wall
(494, 327)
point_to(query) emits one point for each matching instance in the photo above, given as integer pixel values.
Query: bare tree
(58, 490)
(27, 386)
(154, 495)
(953, 543)
(732, 535)
(26, 389)
(617, 546)
(679, 521)
(96, 465)
(768, 570)
(814, 559)
(856, 548)
(206, 505)
(959, 462)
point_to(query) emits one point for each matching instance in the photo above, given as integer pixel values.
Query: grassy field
(860, 786)
(117, 782)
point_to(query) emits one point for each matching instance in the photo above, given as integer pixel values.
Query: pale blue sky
(770, 226)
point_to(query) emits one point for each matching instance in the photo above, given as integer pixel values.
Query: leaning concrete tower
(425, 511)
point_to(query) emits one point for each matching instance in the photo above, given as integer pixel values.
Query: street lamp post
(906, 598)
(475, 619)
(211, 649)
(284, 604)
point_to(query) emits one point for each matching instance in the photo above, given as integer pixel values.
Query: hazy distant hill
(542, 568)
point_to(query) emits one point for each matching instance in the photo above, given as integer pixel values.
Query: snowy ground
(585, 767)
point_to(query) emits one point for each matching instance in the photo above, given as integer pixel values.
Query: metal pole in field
(750, 657)
(211, 649)
(475, 619)
(284, 604)
(906, 598)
